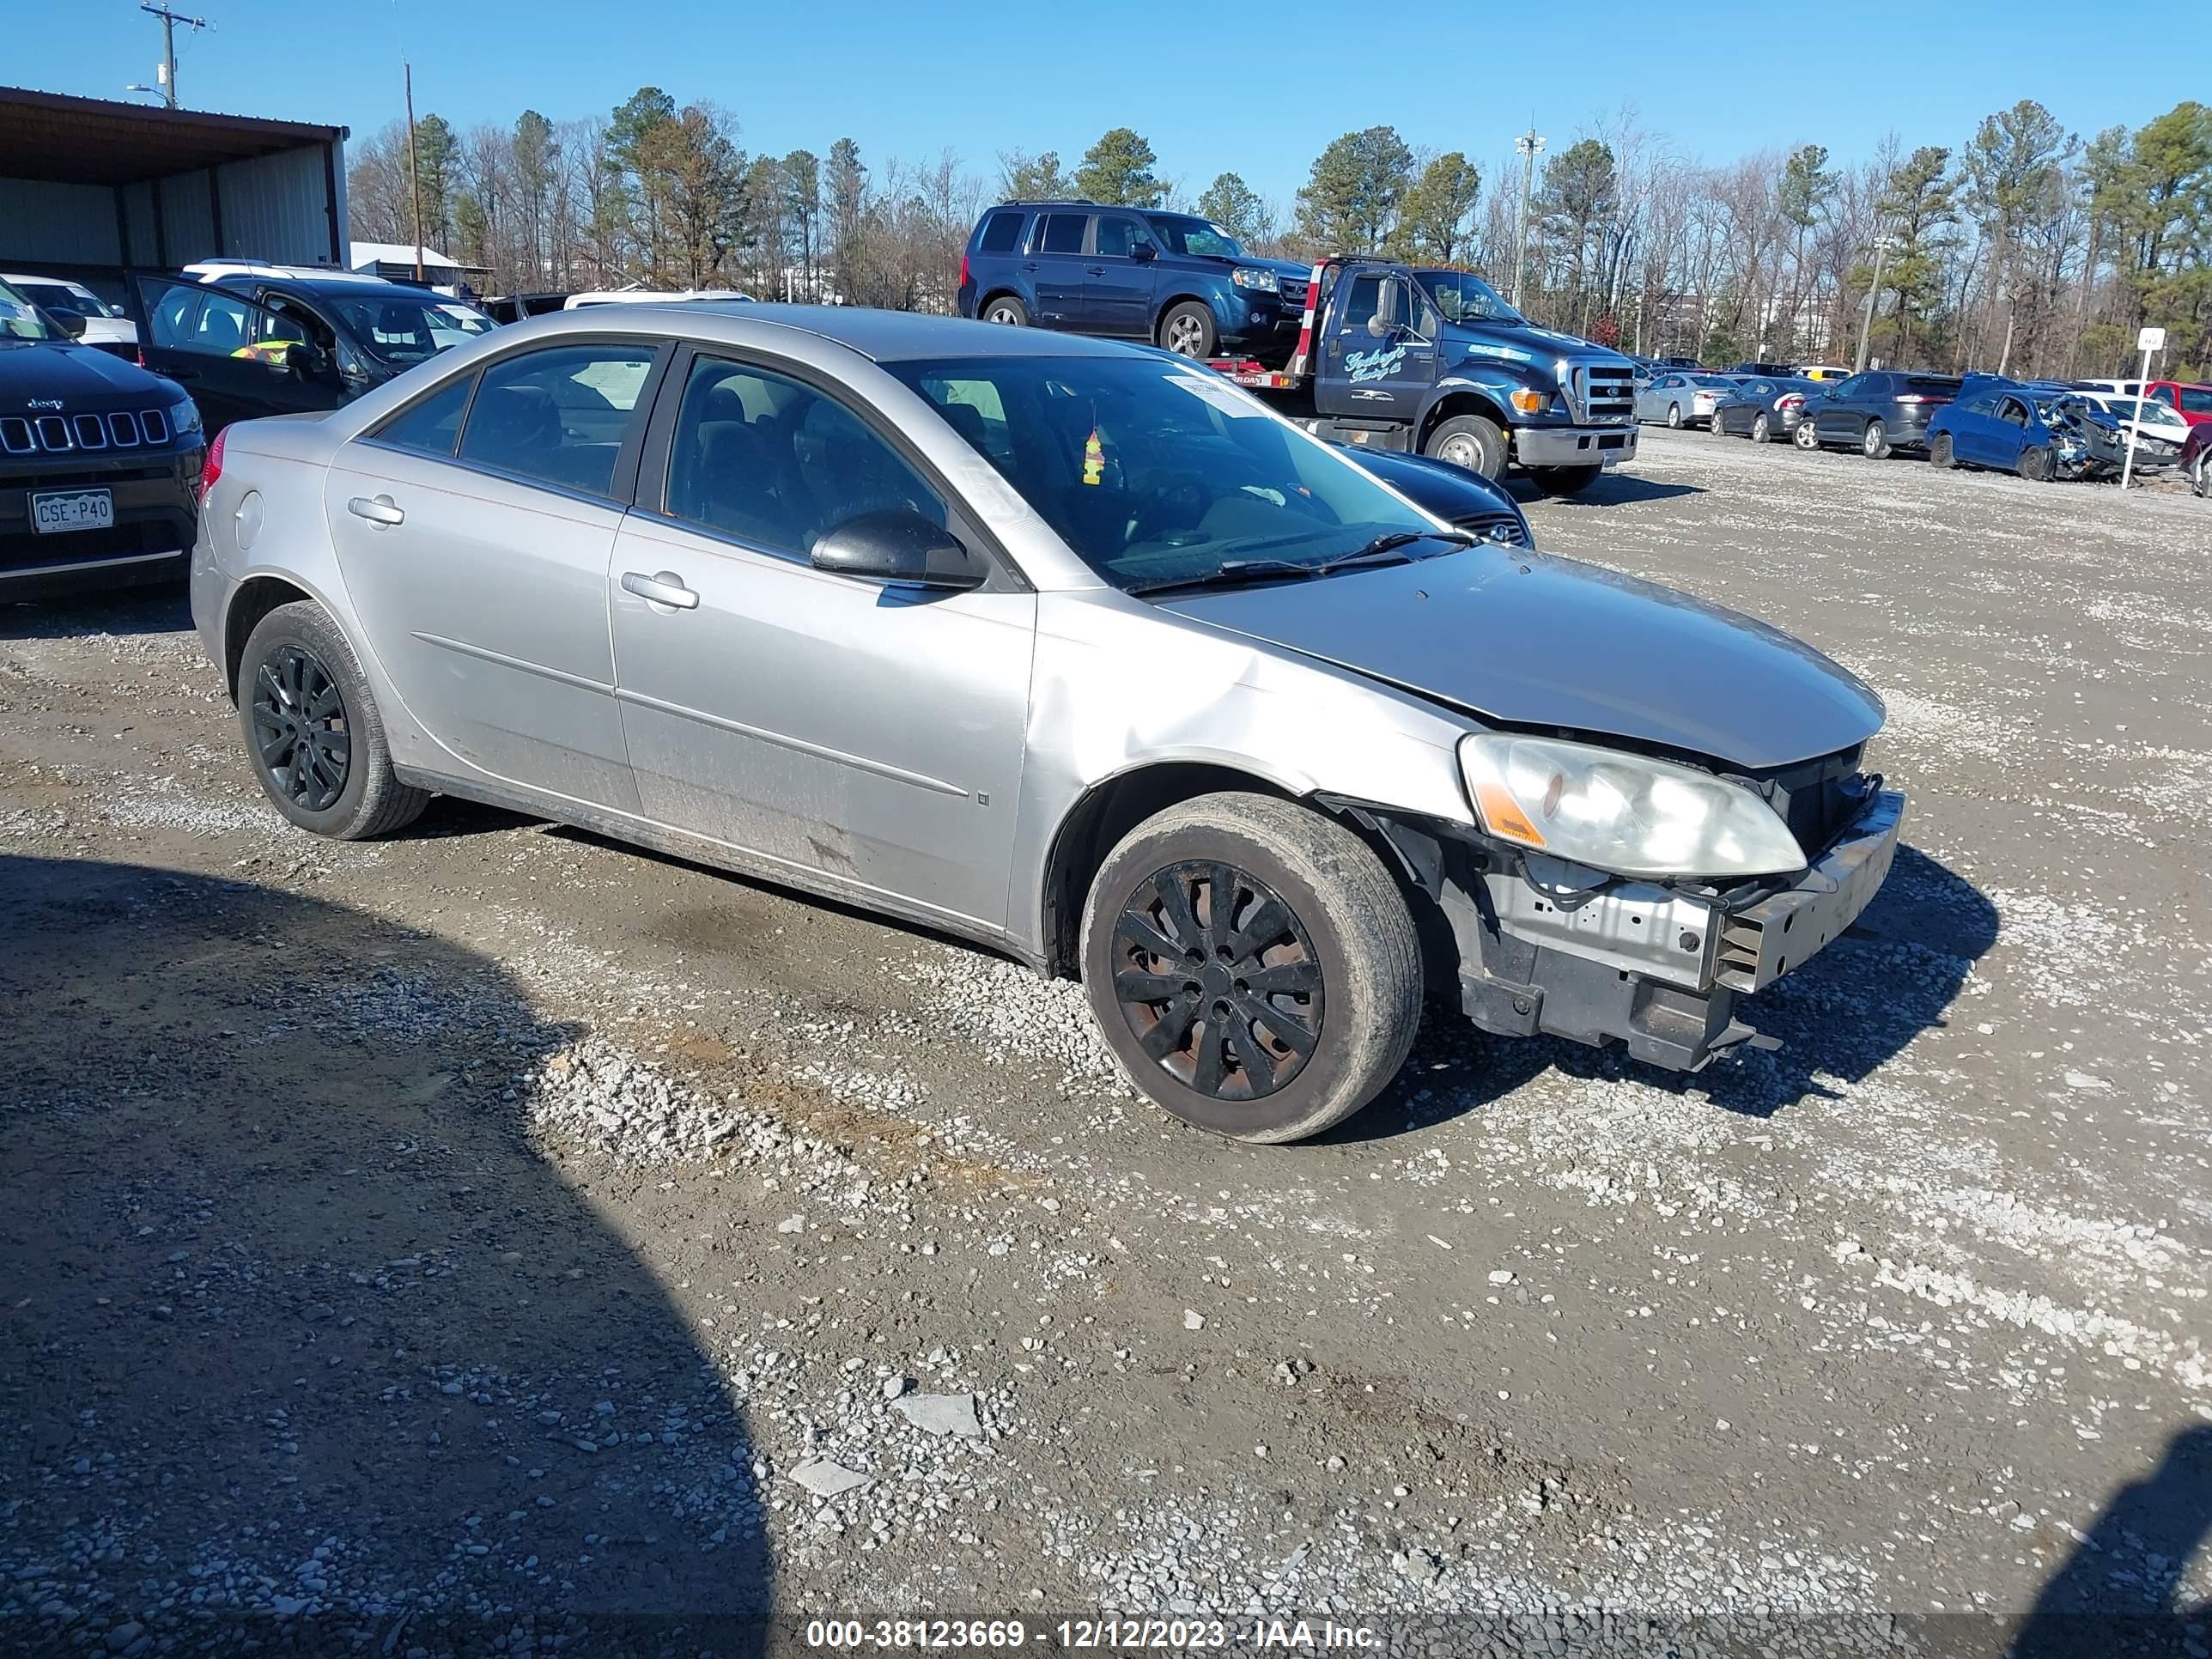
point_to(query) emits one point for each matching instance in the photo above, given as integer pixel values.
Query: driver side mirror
(1144, 251)
(898, 545)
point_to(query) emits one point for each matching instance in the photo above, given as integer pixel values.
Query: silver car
(1683, 397)
(1069, 647)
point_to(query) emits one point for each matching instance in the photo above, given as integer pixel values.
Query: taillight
(1912, 397)
(211, 468)
(963, 270)
(1794, 400)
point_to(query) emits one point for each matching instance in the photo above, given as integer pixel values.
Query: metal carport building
(91, 187)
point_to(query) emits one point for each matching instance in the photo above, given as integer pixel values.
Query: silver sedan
(1683, 397)
(1067, 647)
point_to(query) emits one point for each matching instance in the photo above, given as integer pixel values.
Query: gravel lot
(490, 1238)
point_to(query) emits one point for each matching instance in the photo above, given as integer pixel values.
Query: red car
(2195, 460)
(2195, 402)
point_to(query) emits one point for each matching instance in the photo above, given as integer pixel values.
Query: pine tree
(1351, 198)
(1118, 169)
(1237, 208)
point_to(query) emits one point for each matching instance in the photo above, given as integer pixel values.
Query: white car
(651, 296)
(104, 325)
(2160, 429)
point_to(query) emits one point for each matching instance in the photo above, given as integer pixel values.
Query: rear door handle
(666, 589)
(376, 509)
(1031, 265)
(180, 373)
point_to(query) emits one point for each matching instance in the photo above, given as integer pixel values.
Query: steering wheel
(1176, 507)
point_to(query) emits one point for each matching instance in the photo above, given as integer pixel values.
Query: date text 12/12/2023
(1112, 1634)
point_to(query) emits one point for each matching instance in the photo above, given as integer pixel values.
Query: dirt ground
(496, 1238)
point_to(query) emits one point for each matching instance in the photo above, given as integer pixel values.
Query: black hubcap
(299, 728)
(1218, 981)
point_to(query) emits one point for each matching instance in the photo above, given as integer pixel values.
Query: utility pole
(169, 21)
(1881, 245)
(414, 187)
(1529, 144)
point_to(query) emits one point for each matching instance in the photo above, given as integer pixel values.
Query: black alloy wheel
(1218, 981)
(301, 728)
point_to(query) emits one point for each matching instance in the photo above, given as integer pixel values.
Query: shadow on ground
(302, 1341)
(2119, 1593)
(164, 610)
(1611, 490)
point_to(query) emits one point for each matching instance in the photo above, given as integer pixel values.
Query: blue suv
(1171, 279)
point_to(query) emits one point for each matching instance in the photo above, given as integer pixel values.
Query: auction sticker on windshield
(1221, 395)
(76, 509)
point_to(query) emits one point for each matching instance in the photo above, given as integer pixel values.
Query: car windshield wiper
(1383, 549)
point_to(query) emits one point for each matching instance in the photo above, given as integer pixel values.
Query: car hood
(81, 377)
(1530, 639)
(1520, 343)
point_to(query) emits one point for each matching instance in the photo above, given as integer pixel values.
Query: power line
(169, 21)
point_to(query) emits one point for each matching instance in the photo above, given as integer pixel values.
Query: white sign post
(2148, 340)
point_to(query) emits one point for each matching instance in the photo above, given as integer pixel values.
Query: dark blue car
(2040, 432)
(1172, 279)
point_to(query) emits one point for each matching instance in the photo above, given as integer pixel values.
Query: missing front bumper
(1651, 968)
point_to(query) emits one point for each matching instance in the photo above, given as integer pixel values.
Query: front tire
(1474, 441)
(2203, 486)
(1253, 966)
(1873, 443)
(313, 732)
(1188, 331)
(1808, 436)
(1007, 310)
(2035, 463)
(1941, 453)
(1564, 480)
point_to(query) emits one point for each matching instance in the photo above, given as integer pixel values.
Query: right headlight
(1622, 812)
(1246, 276)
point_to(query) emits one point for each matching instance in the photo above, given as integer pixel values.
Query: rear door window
(1001, 231)
(1062, 233)
(561, 416)
(431, 425)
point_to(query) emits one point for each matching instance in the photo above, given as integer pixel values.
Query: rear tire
(1474, 441)
(1873, 443)
(1188, 331)
(1939, 452)
(1006, 309)
(2034, 463)
(1674, 417)
(1564, 480)
(313, 732)
(1760, 431)
(1315, 911)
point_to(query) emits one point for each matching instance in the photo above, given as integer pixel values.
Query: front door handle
(1094, 271)
(1031, 265)
(376, 509)
(666, 589)
(180, 373)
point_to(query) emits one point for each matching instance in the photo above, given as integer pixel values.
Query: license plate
(76, 509)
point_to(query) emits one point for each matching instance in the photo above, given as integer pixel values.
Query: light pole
(1882, 245)
(1529, 146)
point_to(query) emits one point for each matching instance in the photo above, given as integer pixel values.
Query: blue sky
(910, 80)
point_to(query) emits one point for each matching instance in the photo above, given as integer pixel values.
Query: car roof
(316, 287)
(882, 336)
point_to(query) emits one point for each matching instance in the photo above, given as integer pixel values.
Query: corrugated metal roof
(96, 141)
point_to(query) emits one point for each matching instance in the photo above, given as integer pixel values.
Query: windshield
(20, 319)
(1185, 235)
(410, 328)
(1460, 296)
(59, 296)
(1157, 473)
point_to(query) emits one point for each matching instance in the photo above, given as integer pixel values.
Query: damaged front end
(1532, 943)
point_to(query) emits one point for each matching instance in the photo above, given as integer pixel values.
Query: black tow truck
(1431, 360)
